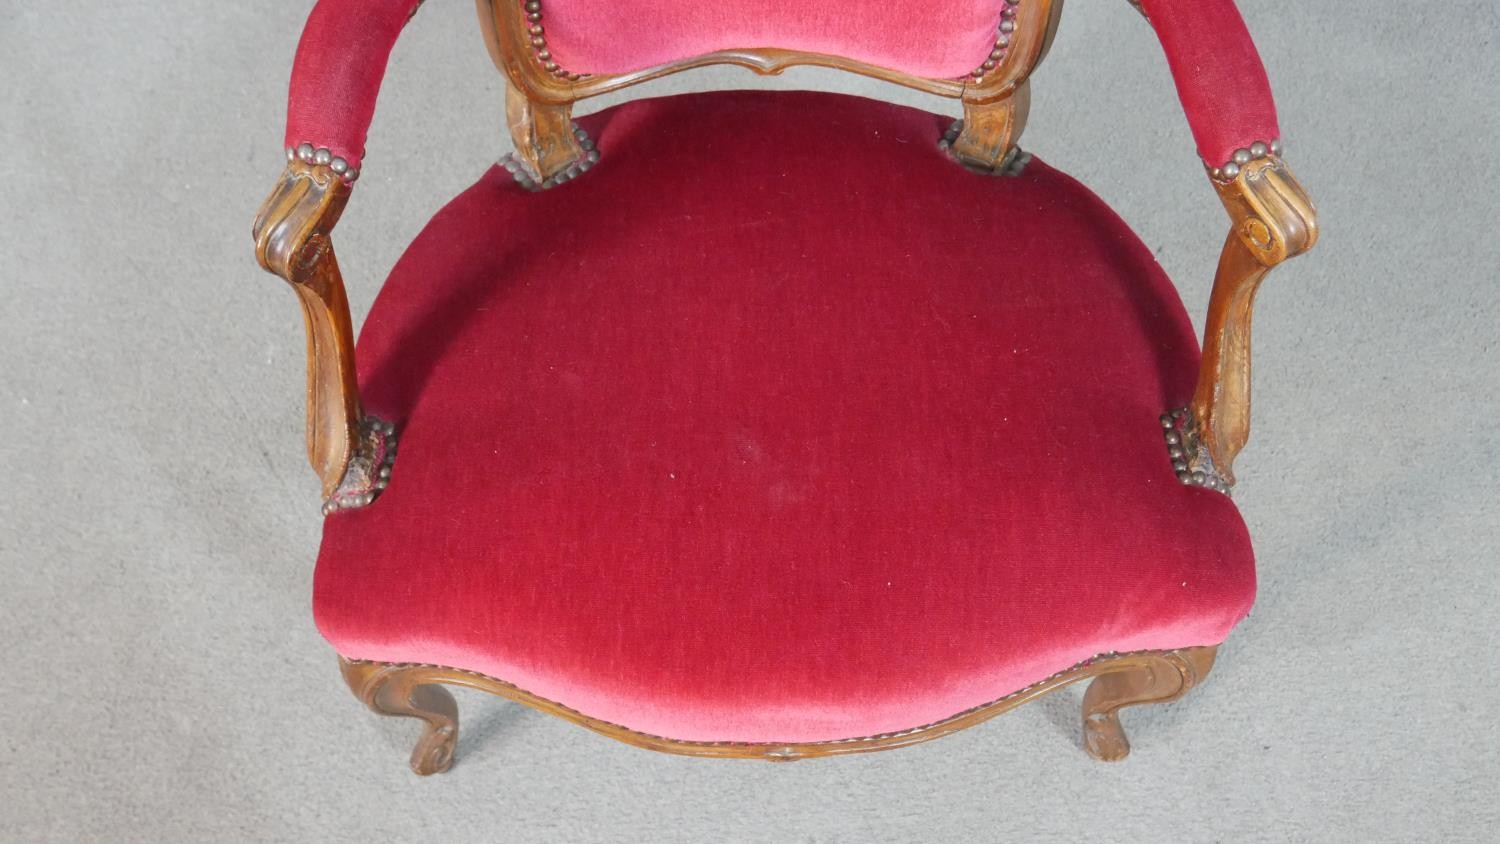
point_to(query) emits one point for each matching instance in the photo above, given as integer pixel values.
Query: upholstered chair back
(932, 38)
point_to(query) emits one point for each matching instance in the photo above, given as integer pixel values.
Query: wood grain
(991, 129)
(1272, 220)
(542, 133)
(394, 691)
(1162, 679)
(293, 239)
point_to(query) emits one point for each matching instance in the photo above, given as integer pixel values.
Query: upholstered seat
(749, 436)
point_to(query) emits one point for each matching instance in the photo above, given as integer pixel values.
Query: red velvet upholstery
(939, 38)
(337, 73)
(778, 425)
(1219, 75)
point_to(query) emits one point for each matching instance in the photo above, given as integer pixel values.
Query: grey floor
(157, 521)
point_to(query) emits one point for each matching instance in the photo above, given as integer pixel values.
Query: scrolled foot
(1104, 738)
(398, 690)
(1137, 679)
(434, 751)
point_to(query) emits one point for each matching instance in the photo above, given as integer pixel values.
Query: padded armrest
(336, 77)
(1219, 75)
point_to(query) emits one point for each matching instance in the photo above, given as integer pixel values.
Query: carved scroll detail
(542, 134)
(1272, 220)
(393, 690)
(1154, 678)
(369, 469)
(293, 240)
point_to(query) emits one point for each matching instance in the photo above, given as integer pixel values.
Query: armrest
(336, 78)
(1227, 98)
(1219, 76)
(1272, 220)
(292, 240)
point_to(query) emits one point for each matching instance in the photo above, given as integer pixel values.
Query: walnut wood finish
(292, 239)
(1128, 679)
(1272, 220)
(994, 106)
(390, 690)
(1162, 678)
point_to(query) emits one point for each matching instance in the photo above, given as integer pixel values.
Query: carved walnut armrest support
(1272, 220)
(292, 240)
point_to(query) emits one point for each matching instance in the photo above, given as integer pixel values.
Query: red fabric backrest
(932, 38)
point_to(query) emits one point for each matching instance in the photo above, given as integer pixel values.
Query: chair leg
(397, 690)
(1152, 678)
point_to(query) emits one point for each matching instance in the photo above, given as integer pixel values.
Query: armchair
(776, 424)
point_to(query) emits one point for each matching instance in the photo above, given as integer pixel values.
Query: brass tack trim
(530, 180)
(310, 153)
(1230, 170)
(1002, 41)
(1190, 460)
(1013, 164)
(537, 38)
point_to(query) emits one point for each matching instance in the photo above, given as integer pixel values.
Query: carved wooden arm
(340, 63)
(1271, 220)
(1227, 98)
(292, 239)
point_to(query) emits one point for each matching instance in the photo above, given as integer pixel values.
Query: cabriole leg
(1156, 678)
(396, 690)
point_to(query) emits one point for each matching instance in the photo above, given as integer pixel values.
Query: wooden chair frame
(1119, 680)
(1271, 220)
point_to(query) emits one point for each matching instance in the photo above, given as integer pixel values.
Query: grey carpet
(163, 679)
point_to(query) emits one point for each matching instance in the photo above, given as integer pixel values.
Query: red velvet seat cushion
(778, 425)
